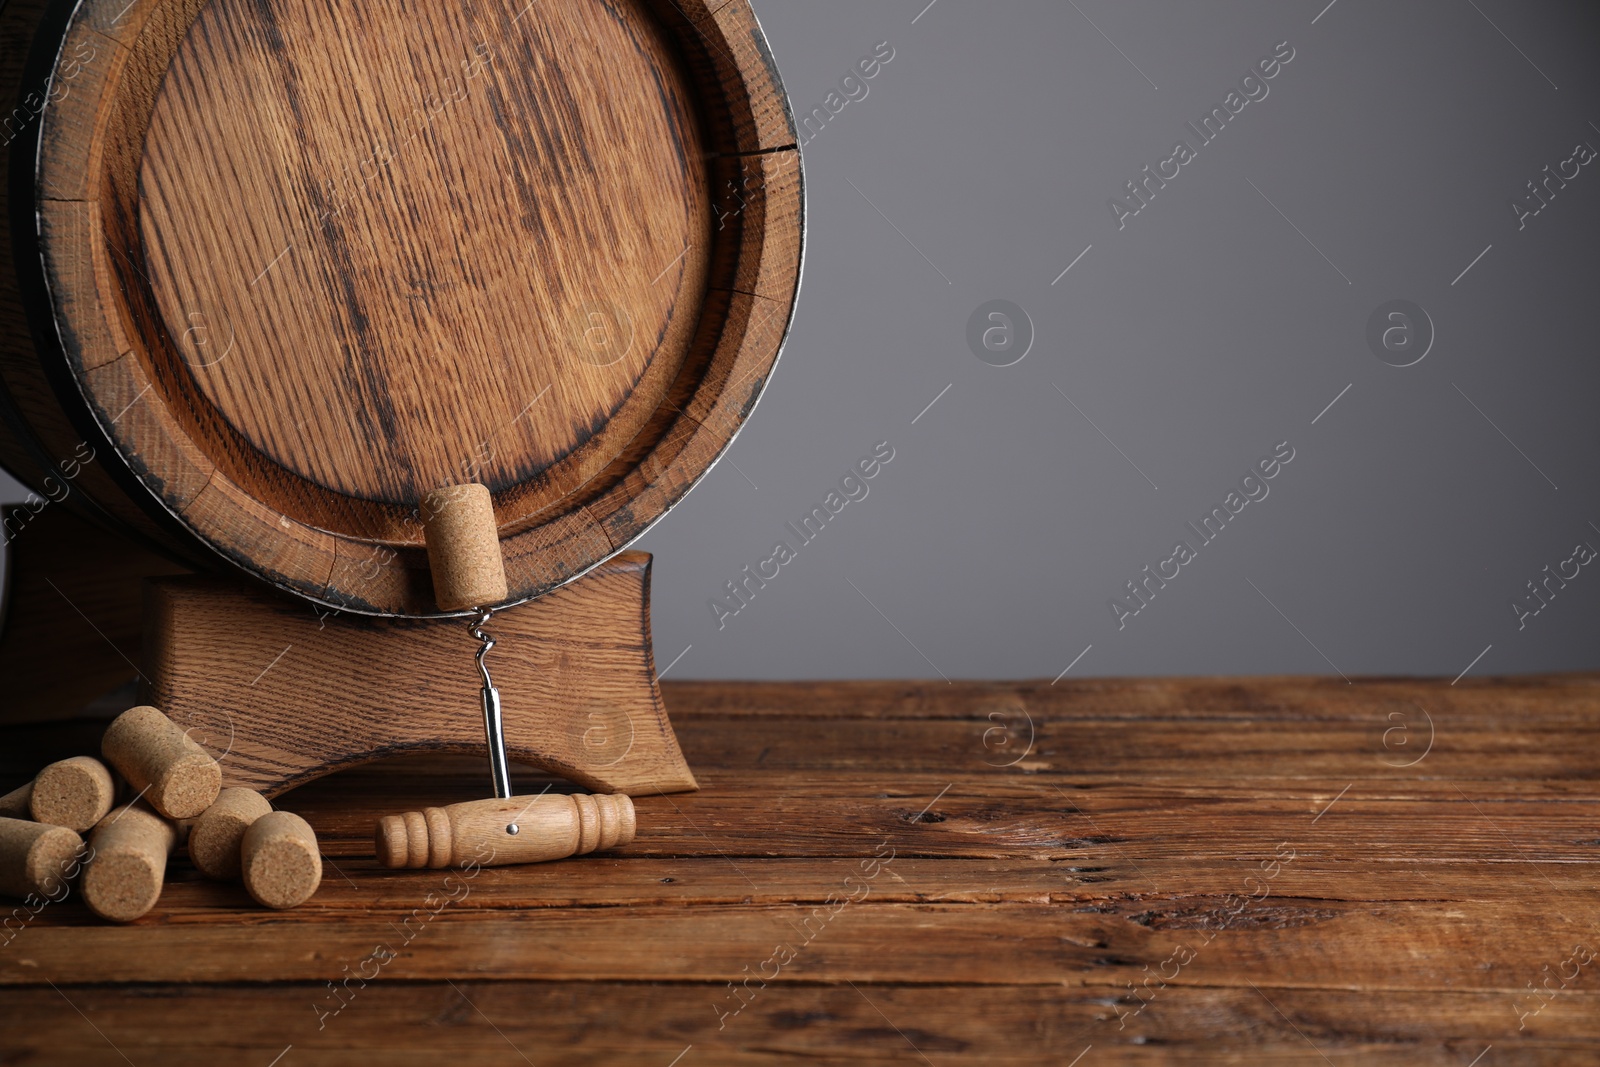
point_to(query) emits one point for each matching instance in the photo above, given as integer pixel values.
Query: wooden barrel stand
(282, 694)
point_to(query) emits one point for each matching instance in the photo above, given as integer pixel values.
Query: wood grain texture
(1178, 870)
(468, 191)
(306, 262)
(282, 694)
(1018, 1026)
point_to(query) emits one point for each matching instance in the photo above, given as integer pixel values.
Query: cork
(464, 555)
(130, 849)
(550, 826)
(161, 762)
(218, 835)
(14, 805)
(282, 865)
(75, 793)
(35, 858)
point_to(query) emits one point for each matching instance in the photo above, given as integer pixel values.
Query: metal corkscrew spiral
(492, 727)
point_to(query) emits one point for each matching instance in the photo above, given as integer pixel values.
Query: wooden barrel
(283, 266)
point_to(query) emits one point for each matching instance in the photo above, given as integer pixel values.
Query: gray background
(1195, 339)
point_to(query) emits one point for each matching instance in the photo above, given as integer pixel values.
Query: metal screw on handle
(493, 729)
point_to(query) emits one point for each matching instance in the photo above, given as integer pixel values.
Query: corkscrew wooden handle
(501, 831)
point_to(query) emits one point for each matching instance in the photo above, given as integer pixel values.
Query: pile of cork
(232, 834)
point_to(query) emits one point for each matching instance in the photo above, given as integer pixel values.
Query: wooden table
(1274, 870)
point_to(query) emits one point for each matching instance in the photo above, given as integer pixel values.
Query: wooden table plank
(1399, 945)
(790, 1022)
(1246, 859)
(673, 882)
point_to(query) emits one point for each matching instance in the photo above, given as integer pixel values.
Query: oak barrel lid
(308, 261)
